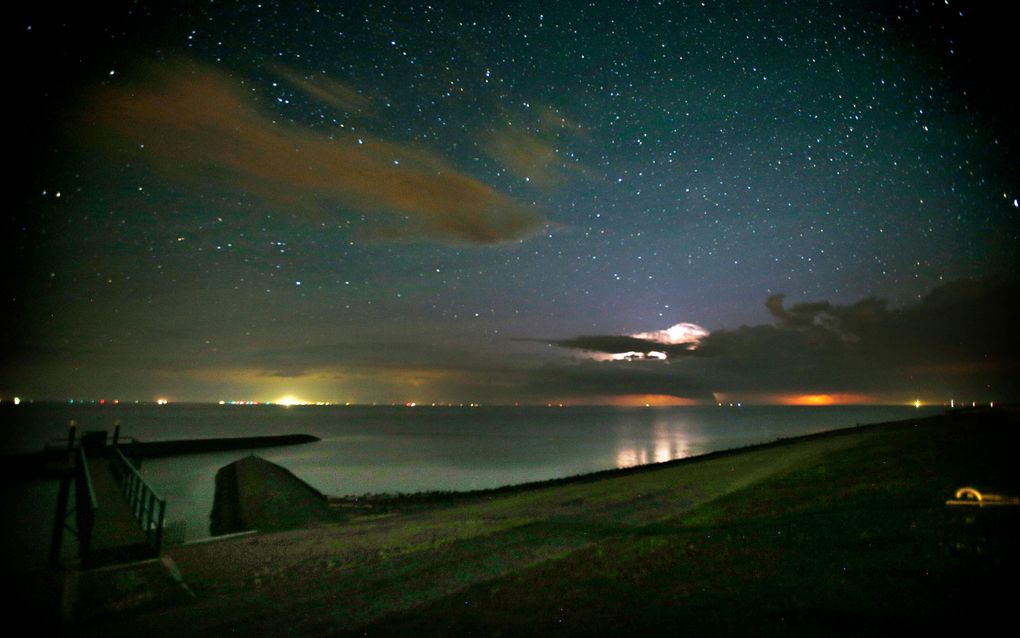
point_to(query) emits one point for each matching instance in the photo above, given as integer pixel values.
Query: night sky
(511, 202)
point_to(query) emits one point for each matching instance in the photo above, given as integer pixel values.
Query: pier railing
(147, 507)
(86, 503)
(56, 446)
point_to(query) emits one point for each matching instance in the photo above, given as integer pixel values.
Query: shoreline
(429, 497)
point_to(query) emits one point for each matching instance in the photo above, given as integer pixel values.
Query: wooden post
(143, 504)
(150, 506)
(159, 526)
(133, 485)
(64, 492)
(59, 518)
(72, 431)
(136, 496)
(116, 432)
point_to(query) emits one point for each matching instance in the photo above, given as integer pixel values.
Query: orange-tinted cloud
(201, 128)
(325, 89)
(530, 144)
(553, 119)
(525, 155)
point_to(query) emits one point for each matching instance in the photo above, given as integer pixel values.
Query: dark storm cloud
(847, 320)
(611, 344)
(201, 128)
(959, 339)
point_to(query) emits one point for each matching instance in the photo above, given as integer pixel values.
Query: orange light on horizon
(838, 398)
(645, 400)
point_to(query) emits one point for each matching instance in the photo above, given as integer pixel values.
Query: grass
(843, 533)
(858, 540)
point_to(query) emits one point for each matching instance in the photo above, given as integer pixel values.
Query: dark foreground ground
(841, 534)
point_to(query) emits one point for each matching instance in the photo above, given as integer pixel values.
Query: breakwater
(154, 449)
(252, 493)
(46, 462)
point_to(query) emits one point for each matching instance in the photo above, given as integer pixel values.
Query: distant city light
(162, 401)
(17, 400)
(917, 403)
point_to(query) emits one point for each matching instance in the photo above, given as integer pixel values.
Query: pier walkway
(117, 533)
(117, 516)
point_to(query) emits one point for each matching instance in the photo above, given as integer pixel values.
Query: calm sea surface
(398, 449)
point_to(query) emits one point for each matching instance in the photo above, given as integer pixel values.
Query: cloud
(327, 90)
(958, 341)
(685, 334)
(199, 127)
(677, 340)
(529, 144)
(526, 156)
(622, 345)
(552, 119)
(846, 320)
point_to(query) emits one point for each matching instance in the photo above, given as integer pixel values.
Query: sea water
(377, 449)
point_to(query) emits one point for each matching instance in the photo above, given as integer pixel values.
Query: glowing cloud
(689, 333)
(677, 338)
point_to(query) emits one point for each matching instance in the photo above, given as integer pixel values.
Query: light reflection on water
(669, 442)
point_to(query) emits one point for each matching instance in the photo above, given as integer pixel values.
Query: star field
(428, 201)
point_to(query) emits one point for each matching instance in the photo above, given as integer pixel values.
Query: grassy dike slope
(841, 533)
